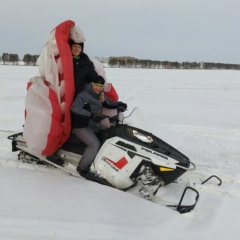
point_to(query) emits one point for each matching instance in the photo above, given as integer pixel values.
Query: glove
(114, 119)
(122, 106)
(97, 118)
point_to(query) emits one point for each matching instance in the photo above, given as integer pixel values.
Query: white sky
(174, 30)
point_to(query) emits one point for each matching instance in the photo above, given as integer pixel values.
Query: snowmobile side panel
(157, 147)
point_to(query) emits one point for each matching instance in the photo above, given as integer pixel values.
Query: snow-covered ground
(196, 111)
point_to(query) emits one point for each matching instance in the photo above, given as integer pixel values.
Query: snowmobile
(130, 156)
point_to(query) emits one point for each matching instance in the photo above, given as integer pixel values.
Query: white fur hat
(77, 35)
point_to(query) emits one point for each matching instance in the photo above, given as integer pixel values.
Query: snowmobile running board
(66, 169)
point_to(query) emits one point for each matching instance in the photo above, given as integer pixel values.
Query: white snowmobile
(129, 157)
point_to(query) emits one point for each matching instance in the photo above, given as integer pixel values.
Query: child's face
(97, 88)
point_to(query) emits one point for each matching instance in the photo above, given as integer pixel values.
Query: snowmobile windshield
(135, 119)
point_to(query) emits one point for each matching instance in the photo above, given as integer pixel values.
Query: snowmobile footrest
(95, 178)
(55, 159)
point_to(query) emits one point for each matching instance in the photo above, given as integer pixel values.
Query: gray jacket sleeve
(80, 100)
(108, 103)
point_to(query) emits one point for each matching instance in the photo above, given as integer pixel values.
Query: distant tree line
(131, 62)
(127, 62)
(13, 59)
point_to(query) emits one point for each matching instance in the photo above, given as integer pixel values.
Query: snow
(196, 111)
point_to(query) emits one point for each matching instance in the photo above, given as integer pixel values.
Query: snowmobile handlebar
(114, 120)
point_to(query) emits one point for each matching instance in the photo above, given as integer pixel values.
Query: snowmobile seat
(75, 145)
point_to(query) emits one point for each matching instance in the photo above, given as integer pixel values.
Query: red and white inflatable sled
(49, 97)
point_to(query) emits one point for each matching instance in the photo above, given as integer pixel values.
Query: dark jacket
(83, 72)
(87, 103)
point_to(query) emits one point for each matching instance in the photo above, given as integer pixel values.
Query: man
(83, 68)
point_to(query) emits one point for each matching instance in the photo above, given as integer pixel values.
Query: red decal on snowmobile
(120, 163)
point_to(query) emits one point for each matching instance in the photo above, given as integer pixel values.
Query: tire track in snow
(11, 98)
(211, 132)
(208, 144)
(133, 91)
(7, 131)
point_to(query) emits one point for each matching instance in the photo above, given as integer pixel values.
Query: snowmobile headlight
(142, 137)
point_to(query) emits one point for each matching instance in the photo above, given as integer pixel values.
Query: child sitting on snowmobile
(86, 117)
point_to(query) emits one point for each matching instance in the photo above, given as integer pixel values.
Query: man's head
(76, 48)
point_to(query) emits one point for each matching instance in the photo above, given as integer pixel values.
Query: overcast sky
(173, 30)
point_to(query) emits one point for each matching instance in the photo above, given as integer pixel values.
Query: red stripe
(112, 94)
(60, 128)
(120, 163)
(54, 138)
(62, 36)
